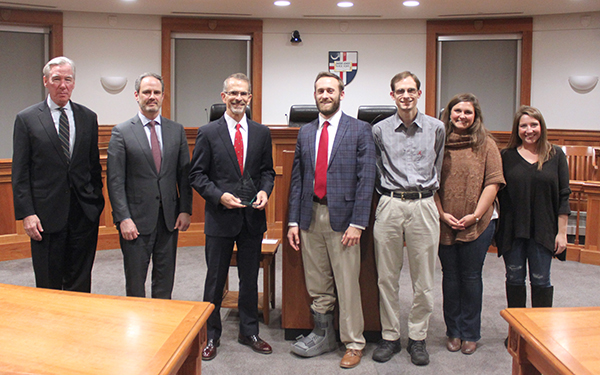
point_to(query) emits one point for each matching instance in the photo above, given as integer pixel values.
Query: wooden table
(266, 299)
(554, 340)
(46, 331)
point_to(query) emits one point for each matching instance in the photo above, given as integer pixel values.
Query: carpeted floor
(575, 285)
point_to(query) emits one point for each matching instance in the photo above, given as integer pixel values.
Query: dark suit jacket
(42, 178)
(135, 188)
(350, 175)
(215, 170)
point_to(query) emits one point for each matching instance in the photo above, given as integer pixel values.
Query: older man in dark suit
(330, 201)
(232, 169)
(57, 182)
(149, 190)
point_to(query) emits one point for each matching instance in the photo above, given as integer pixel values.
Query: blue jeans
(462, 285)
(523, 252)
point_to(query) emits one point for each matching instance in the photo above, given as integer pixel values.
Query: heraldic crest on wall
(344, 64)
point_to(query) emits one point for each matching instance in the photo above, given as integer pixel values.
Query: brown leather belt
(322, 201)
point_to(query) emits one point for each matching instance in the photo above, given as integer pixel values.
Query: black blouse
(532, 199)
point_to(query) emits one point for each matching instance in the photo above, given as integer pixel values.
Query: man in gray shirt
(410, 150)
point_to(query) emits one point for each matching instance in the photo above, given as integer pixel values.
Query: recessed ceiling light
(410, 3)
(345, 4)
(282, 3)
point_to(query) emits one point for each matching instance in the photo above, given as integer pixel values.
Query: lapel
(311, 138)
(168, 142)
(339, 135)
(138, 131)
(48, 125)
(226, 140)
(80, 130)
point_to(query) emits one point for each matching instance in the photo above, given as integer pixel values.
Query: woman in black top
(534, 207)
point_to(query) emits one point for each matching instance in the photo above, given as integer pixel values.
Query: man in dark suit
(330, 201)
(149, 190)
(231, 153)
(57, 182)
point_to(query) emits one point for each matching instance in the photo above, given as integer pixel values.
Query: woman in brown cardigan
(471, 177)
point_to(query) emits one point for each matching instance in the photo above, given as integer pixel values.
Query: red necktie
(238, 145)
(155, 146)
(321, 167)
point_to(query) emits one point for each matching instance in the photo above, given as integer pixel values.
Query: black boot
(541, 297)
(516, 296)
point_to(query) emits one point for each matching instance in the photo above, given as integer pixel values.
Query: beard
(328, 109)
(238, 107)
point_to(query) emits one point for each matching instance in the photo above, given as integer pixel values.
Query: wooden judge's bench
(296, 317)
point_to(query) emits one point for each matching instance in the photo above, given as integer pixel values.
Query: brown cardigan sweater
(465, 174)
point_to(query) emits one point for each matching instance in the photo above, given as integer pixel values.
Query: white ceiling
(317, 9)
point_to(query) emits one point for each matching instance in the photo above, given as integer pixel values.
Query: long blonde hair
(544, 150)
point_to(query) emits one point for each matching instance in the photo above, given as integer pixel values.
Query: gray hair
(241, 77)
(138, 81)
(57, 61)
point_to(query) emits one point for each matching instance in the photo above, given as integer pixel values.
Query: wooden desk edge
(556, 360)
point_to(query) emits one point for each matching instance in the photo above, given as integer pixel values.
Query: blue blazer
(350, 175)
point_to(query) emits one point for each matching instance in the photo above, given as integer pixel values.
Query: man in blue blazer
(151, 197)
(229, 151)
(57, 182)
(332, 184)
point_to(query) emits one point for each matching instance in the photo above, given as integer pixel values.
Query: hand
(467, 221)
(560, 243)
(230, 201)
(351, 237)
(183, 221)
(261, 200)
(294, 238)
(33, 227)
(453, 222)
(128, 230)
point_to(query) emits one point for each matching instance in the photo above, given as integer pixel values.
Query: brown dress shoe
(210, 350)
(256, 343)
(453, 344)
(468, 347)
(351, 358)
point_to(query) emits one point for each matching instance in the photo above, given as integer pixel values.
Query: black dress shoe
(256, 343)
(210, 350)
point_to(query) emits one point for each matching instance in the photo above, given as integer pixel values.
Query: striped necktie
(64, 133)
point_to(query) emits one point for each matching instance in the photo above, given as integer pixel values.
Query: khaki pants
(417, 223)
(327, 261)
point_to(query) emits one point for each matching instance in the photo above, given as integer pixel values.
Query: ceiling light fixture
(282, 3)
(345, 4)
(410, 3)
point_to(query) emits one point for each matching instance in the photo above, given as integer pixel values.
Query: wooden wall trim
(523, 26)
(51, 20)
(253, 28)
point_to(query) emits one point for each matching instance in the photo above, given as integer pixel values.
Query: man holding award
(232, 169)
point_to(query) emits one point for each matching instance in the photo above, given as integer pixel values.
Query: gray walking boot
(320, 340)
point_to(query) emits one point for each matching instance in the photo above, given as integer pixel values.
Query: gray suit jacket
(135, 188)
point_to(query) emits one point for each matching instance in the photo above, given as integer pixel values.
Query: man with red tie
(232, 169)
(332, 183)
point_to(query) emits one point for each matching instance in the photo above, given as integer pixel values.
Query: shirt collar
(145, 120)
(333, 120)
(418, 121)
(55, 107)
(231, 123)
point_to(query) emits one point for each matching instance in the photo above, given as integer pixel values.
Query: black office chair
(217, 110)
(375, 113)
(301, 114)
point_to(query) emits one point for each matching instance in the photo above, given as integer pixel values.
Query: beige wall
(562, 46)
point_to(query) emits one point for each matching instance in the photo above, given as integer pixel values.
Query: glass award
(245, 191)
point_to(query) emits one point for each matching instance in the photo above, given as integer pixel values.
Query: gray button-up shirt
(409, 158)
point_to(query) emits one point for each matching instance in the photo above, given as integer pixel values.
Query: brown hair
(544, 150)
(477, 130)
(404, 75)
(330, 75)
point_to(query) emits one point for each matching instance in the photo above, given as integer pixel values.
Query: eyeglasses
(243, 94)
(411, 92)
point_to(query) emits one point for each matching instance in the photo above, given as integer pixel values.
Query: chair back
(301, 114)
(375, 113)
(582, 162)
(217, 110)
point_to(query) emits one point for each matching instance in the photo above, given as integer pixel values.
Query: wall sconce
(583, 84)
(296, 37)
(113, 85)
